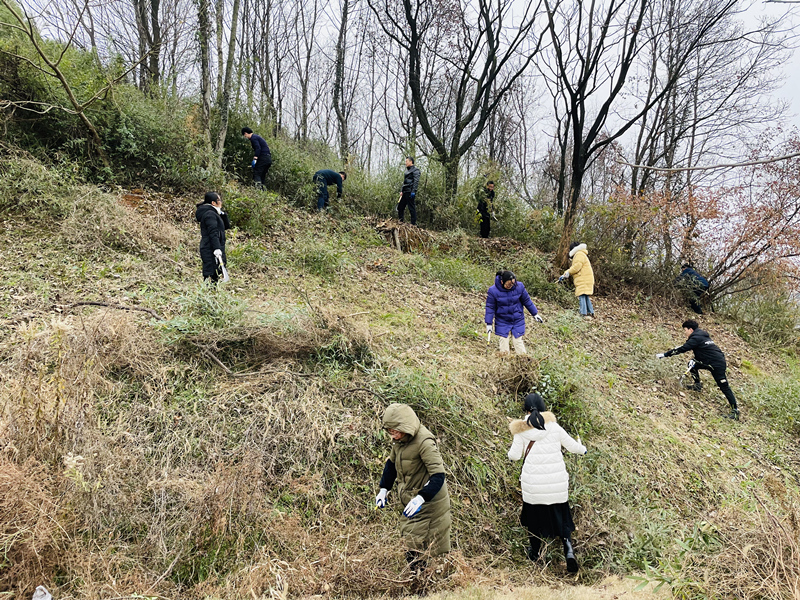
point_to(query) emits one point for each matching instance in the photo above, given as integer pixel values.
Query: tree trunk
(204, 35)
(338, 85)
(226, 86)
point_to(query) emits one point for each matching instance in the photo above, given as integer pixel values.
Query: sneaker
(734, 414)
(695, 387)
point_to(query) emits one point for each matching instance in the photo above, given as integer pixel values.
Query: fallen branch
(149, 311)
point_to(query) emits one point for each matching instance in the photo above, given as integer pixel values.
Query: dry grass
(234, 452)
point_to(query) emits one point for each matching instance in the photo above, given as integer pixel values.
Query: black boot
(569, 553)
(534, 551)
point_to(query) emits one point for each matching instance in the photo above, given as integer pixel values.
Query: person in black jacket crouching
(708, 356)
(213, 223)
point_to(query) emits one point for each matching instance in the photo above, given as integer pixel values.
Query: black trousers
(695, 298)
(486, 221)
(260, 171)
(407, 201)
(720, 378)
(211, 269)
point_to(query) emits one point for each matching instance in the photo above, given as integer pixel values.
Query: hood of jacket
(578, 248)
(499, 284)
(519, 425)
(202, 209)
(402, 418)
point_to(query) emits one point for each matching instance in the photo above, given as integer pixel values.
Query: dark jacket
(212, 227)
(330, 178)
(692, 279)
(260, 148)
(411, 180)
(505, 308)
(705, 350)
(485, 198)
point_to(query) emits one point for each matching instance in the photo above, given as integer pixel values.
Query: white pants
(519, 345)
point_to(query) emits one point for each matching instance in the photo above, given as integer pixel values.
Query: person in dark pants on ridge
(709, 357)
(695, 285)
(262, 157)
(485, 198)
(213, 223)
(408, 193)
(324, 178)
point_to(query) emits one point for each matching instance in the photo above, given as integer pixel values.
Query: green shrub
(29, 188)
(534, 270)
(204, 309)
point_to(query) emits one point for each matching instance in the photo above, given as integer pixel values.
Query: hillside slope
(227, 444)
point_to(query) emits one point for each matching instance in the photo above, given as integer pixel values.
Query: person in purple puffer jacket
(505, 305)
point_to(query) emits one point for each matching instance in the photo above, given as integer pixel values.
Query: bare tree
(470, 60)
(594, 48)
(224, 93)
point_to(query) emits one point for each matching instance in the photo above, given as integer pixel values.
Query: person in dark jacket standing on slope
(695, 285)
(324, 178)
(408, 193)
(485, 198)
(506, 302)
(416, 465)
(708, 356)
(213, 223)
(262, 157)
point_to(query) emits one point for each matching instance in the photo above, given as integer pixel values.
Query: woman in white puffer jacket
(545, 481)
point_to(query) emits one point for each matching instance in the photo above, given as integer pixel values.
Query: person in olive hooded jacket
(213, 223)
(416, 465)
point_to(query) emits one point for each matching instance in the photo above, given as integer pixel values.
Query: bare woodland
(577, 103)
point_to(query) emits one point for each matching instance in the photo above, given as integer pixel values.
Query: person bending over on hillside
(416, 465)
(506, 302)
(708, 356)
(538, 440)
(485, 198)
(582, 276)
(262, 157)
(213, 223)
(694, 284)
(324, 178)
(408, 192)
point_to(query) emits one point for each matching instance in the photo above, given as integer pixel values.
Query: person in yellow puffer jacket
(582, 277)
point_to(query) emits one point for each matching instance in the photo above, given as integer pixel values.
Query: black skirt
(547, 520)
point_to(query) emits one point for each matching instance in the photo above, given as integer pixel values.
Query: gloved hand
(413, 194)
(660, 356)
(561, 279)
(380, 499)
(565, 275)
(253, 164)
(494, 216)
(538, 318)
(218, 253)
(413, 507)
(488, 329)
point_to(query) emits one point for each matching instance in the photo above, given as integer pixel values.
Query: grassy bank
(228, 444)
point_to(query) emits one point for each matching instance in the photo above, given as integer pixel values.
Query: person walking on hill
(416, 465)
(694, 284)
(322, 179)
(213, 223)
(262, 157)
(506, 302)
(538, 440)
(582, 276)
(709, 357)
(485, 198)
(408, 192)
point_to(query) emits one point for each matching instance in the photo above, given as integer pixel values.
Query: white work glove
(380, 499)
(218, 253)
(660, 356)
(488, 329)
(413, 507)
(537, 318)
